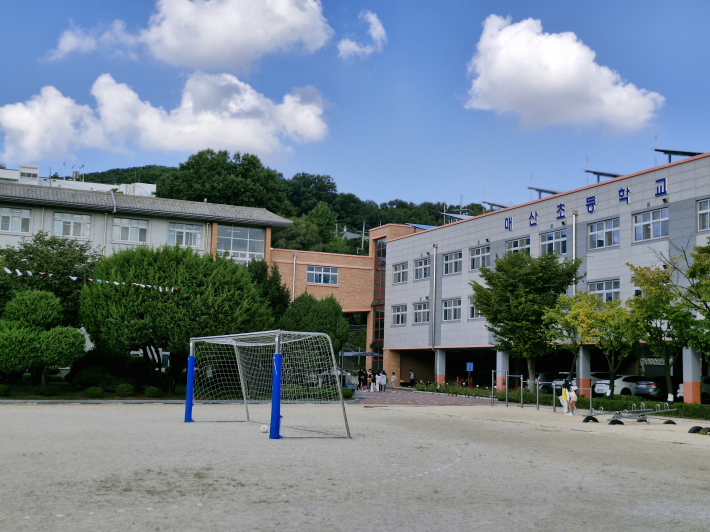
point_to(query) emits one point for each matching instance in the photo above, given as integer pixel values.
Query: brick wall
(354, 288)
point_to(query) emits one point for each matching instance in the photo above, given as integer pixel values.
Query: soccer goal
(285, 380)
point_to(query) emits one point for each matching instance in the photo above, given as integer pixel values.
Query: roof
(561, 194)
(146, 205)
(424, 227)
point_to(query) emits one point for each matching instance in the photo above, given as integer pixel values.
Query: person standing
(572, 401)
(383, 381)
(394, 380)
(411, 378)
(563, 398)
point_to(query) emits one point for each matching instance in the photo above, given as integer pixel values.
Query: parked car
(545, 380)
(652, 388)
(623, 385)
(704, 390)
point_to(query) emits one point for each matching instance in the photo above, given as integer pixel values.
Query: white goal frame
(258, 365)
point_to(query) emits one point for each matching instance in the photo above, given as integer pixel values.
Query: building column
(584, 377)
(502, 365)
(692, 369)
(391, 362)
(440, 366)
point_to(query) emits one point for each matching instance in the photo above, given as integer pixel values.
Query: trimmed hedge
(4, 390)
(125, 390)
(94, 392)
(46, 389)
(347, 393)
(152, 391)
(180, 390)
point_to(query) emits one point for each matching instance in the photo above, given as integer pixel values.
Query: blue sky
(420, 101)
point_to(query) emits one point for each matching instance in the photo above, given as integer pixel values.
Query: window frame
(700, 212)
(85, 224)
(10, 213)
(557, 242)
(399, 315)
(481, 258)
(240, 255)
(421, 309)
(473, 314)
(313, 274)
(423, 268)
(453, 265)
(511, 249)
(614, 231)
(120, 226)
(451, 309)
(185, 232)
(400, 273)
(651, 224)
(603, 290)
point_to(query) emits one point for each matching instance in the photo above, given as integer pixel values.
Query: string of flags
(100, 281)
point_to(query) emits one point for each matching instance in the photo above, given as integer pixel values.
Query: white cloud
(216, 110)
(551, 78)
(212, 34)
(348, 48)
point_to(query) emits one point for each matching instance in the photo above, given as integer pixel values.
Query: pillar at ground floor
(692, 373)
(502, 367)
(584, 376)
(440, 366)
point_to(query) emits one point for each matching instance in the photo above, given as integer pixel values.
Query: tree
(269, 285)
(213, 297)
(308, 314)
(139, 174)
(30, 337)
(514, 299)
(302, 234)
(305, 191)
(666, 326)
(612, 327)
(63, 258)
(218, 177)
(566, 322)
(324, 219)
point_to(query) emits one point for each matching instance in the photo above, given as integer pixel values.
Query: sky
(404, 99)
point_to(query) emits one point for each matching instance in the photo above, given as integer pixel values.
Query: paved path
(407, 397)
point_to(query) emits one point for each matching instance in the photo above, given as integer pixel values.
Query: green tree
(614, 329)
(308, 314)
(566, 324)
(302, 234)
(138, 174)
(219, 177)
(666, 326)
(514, 297)
(324, 219)
(214, 297)
(305, 191)
(43, 255)
(30, 338)
(269, 285)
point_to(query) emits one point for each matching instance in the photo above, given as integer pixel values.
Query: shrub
(4, 390)
(92, 376)
(293, 392)
(347, 393)
(111, 362)
(56, 378)
(125, 390)
(180, 390)
(45, 389)
(152, 391)
(94, 392)
(118, 381)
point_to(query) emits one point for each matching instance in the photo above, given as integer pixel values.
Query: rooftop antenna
(461, 204)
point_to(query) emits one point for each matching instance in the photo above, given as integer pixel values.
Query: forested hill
(137, 174)
(312, 201)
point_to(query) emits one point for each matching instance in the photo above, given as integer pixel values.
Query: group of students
(374, 382)
(568, 398)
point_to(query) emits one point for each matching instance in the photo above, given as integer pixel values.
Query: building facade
(431, 324)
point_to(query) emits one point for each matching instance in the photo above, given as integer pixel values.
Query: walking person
(411, 378)
(394, 380)
(563, 398)
(572, 401)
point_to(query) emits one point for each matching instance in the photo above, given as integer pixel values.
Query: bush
(94, 392)
(92, 376)
(111, 362)
(45, 389)
(152, 391)
(293, 392)
(118, 381)
(347, 393)
(4, 390)
(180, 390)
(56, 378)
(125, 390)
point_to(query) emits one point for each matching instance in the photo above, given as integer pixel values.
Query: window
(129, 230)
(480, 257)
(421, 312)
(651, 225)
(452, 309)
(554, 242)
(605, 290)
(241, 243)
(187, 235)
(400, 273)
(378, 325)
(513, 246)
(452, 262)
(604, 234)
(399, 315)
(15, 220)
(66, 224)
(703, 215)
(422, 270)
(322, 275)
(472, 310)
(380, 268)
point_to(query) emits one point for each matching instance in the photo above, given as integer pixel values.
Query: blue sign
(509, 223)
(533, 218)
(469, 366)
(591, 203)
(661, 189)
(561, 211)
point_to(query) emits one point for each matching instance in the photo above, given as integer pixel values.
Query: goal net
(251, 376)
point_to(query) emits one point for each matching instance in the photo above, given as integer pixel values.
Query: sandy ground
(138, 467)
